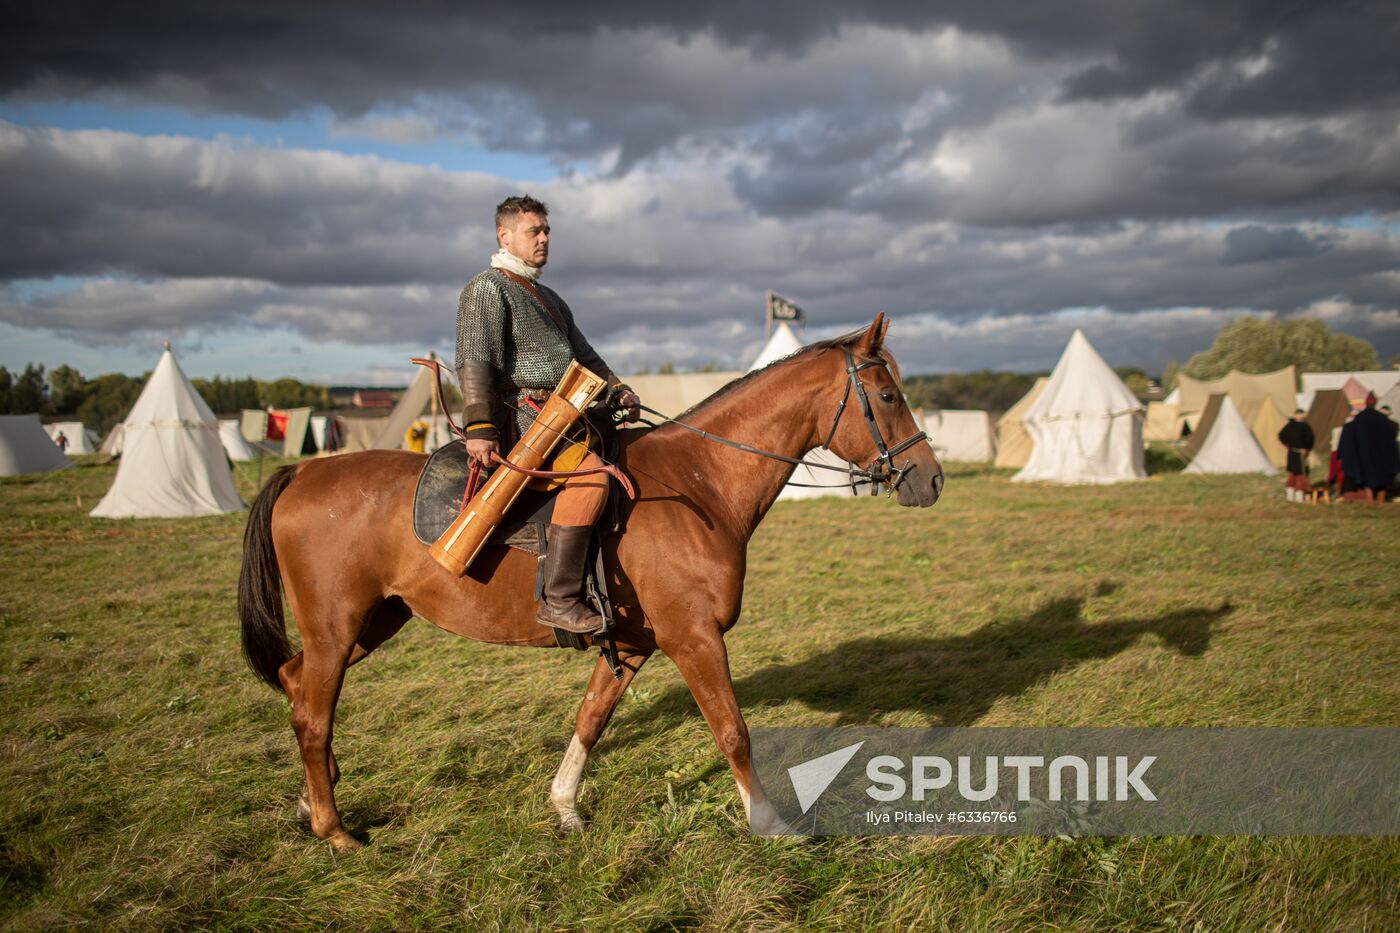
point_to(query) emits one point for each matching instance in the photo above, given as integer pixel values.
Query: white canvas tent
(1086, 426)
(173, 463)
(80, 439)
(25, 448)
(1230, 446)
(960, 434)
(783, 343)
(235, 445)
(1379, 381)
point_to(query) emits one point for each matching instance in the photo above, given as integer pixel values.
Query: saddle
(440, 496)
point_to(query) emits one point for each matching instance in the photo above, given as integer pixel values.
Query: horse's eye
(887, 398)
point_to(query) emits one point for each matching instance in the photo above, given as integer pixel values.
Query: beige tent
(360, 433)
(1329, 411)
(1281, 386)
(1265, 420)
(1163, 423)
(1013, 441)
(419, 400)
(25, 448)
(1205, 420)
(674, 393)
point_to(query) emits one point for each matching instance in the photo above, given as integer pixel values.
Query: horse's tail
(265, 642)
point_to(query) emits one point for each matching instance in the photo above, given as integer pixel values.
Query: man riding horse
(515, 338)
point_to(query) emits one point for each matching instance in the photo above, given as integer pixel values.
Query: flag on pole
(780, 309)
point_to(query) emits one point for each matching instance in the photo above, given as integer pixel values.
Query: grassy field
(147, 781)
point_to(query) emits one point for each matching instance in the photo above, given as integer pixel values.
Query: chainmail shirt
(501, 323)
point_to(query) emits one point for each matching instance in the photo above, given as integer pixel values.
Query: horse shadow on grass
(950, 680)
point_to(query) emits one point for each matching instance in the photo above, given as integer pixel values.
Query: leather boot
(562, 604)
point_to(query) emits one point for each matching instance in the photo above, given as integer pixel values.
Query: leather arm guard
(476, 380)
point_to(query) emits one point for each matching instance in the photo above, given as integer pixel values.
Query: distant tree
(1169, 375)
(5, 382)
(1395, 361)
(1258, 345)
(289, 393)
(29, 394)
(666, 369)
(984, 389)
(1135, 379)
(108, 399)
(225, 396)
(67, 389)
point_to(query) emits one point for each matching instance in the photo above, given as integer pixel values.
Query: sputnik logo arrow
(811, 778)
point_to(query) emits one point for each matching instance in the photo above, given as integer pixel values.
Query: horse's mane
(734, 385)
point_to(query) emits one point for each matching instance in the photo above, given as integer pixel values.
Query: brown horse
(337, 533)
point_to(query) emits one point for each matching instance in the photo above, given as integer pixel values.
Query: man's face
(526, 237)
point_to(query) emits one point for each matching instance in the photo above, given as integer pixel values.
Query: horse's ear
(871, 341)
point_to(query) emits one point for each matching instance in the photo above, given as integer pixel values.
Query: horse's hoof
(344, 842)
(303, 809)
(570, 824)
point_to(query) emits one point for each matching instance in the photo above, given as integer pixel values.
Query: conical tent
(237, 448)
(1265, 421)
(25, 448)
(784, 343)
(1205, 420)
(1230, 446)
(1013, 441)
(173, 463)
(1086, 425)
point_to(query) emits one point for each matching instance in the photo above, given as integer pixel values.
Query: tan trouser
(581, 500)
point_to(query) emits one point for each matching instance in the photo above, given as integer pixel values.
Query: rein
(881, 470)
(611, 469)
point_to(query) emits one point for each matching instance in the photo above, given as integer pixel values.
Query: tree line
(102, 402)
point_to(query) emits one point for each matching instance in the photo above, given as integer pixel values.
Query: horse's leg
(313, 718)
(704, 663)
(383, 624)
(604, 691)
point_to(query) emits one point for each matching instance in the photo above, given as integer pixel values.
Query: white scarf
(504, 259)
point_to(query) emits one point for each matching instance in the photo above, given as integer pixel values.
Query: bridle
(881, 470)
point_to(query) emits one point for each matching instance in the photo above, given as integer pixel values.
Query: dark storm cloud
(568, 60)
(1254, 243)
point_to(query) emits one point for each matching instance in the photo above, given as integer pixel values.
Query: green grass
(148, 780)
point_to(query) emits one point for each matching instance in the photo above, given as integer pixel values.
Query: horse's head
(874, 427)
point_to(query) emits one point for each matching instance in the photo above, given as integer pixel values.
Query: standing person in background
(1368, 453)
(1298, 437)
(62, 441)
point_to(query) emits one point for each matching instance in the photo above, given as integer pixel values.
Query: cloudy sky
(303, 188)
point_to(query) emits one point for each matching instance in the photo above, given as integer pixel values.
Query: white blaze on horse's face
(526, 237)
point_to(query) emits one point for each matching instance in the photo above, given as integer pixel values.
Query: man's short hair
(515, 206)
